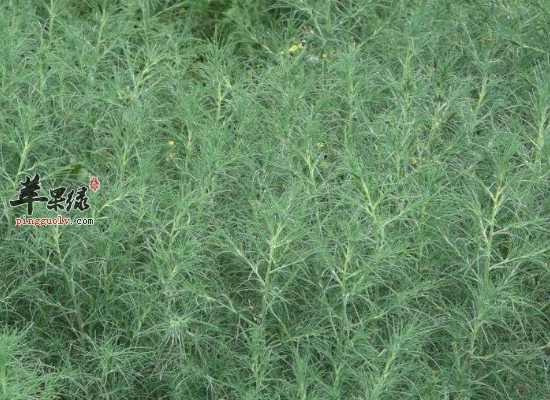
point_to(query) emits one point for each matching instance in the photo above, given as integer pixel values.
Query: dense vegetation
(300, 199)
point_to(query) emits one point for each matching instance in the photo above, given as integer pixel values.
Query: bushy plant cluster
(300, 199)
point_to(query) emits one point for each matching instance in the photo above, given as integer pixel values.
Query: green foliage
(336, 199)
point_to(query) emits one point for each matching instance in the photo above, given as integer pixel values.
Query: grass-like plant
(309, 199)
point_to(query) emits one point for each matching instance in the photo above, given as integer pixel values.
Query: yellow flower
(295, 47)
(171, 143)
(324, 55)
(320, 145)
